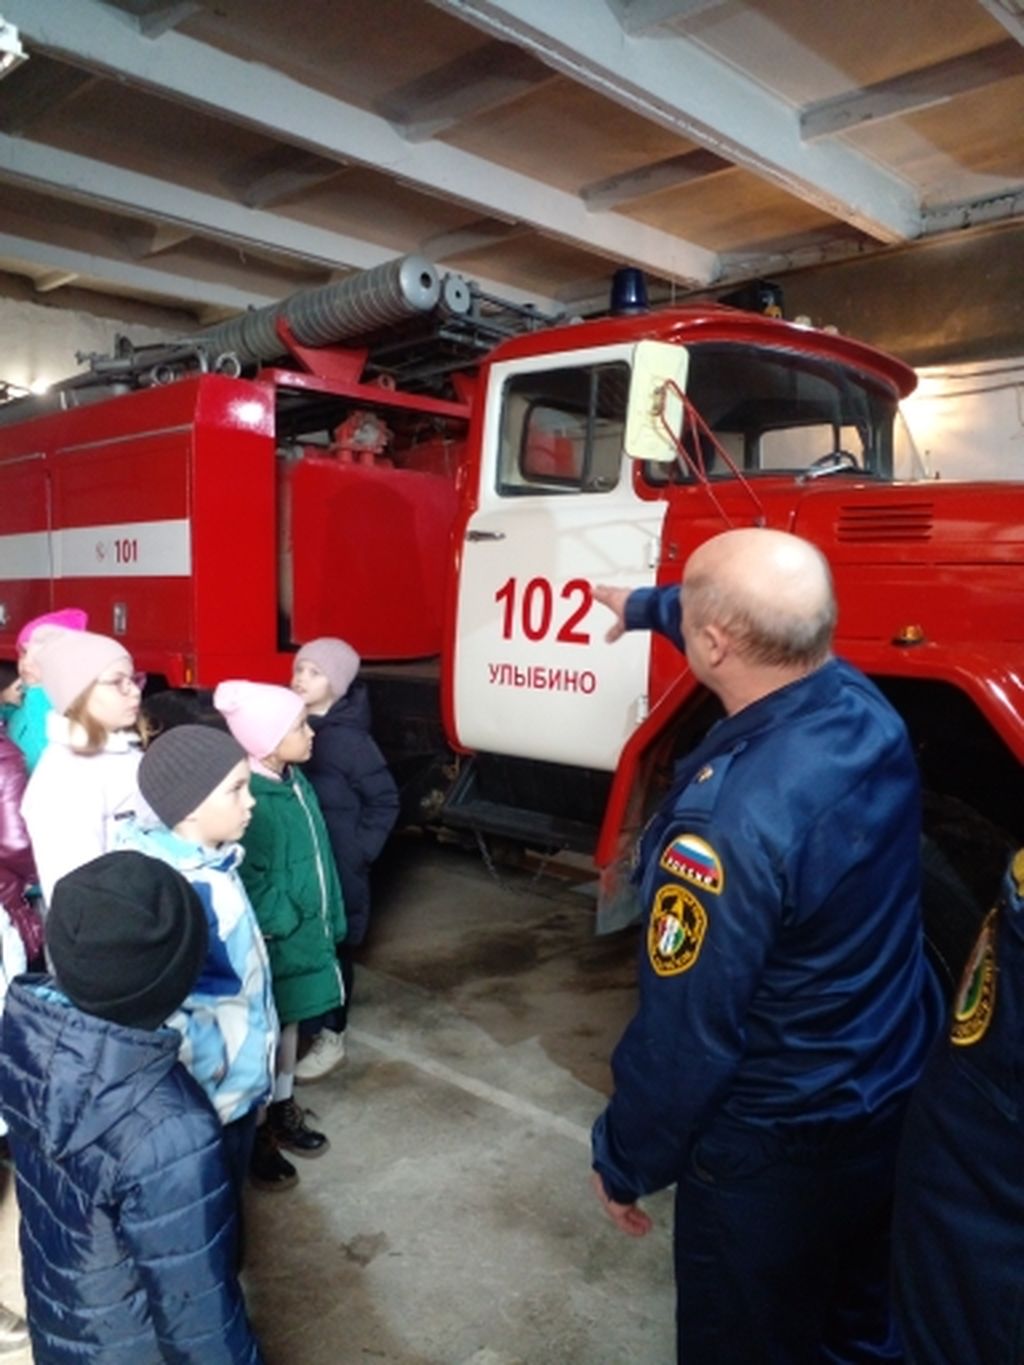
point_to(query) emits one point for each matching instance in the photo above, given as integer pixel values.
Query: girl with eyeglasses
(85, 783)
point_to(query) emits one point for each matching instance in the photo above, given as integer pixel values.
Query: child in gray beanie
(195, 779)
(128, 1229)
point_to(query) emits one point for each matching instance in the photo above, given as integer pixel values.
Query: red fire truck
(446, 500)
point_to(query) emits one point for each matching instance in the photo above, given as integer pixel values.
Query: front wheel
(963, 858)
(952, 917)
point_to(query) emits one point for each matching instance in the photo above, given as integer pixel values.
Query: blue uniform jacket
(958, 1235)
(783, 986)
(128, 1224)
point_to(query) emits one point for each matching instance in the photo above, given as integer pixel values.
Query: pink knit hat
(70, 618)
(259, 715)
(336, 660)
(71, 661)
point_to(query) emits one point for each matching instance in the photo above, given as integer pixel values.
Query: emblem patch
(676, 930)
(1017, 871)
(691, 859)
(976, 998)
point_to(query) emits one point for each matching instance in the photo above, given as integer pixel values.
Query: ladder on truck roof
(412, 323)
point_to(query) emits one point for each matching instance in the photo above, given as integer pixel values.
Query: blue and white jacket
(228, 1023)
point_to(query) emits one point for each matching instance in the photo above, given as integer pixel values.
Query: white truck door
(557, 514)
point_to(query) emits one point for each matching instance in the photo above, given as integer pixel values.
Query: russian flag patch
(693, 860)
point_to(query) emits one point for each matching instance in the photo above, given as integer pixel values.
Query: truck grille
(905, 521)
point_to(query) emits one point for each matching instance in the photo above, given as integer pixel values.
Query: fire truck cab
(452, 520)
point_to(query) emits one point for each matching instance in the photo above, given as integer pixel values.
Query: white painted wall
(38, 345)
(967, 421)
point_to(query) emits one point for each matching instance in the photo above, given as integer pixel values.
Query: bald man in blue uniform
(785, 1006)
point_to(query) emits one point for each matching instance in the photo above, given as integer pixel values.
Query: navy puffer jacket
(128, 1226)
(357, 795)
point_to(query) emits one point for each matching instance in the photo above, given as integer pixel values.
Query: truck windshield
(562, 430)
(778, 411)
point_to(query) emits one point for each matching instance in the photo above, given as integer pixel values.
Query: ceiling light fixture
(12, 54)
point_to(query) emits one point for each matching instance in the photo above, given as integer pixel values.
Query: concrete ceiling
(211, 154)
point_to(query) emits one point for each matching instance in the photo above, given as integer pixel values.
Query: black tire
(952, 916)
(963, 858)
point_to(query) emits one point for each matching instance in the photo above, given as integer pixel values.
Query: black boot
(268, 1169)
(287, 1122)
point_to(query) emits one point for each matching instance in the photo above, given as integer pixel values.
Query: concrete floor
(451, 1223)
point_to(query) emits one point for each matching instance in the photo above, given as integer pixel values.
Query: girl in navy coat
(359, 801)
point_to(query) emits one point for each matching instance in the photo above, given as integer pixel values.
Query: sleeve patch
(676, 930)
(976, 999)
(693, 860)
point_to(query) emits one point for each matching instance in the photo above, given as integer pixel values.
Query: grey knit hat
(127, 936)
(336, 660)
(182, 766)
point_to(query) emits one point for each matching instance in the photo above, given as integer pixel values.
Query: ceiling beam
(42, 88)
(659, 175)
(640, 16)
(280, 174)
(189, 212)
(471, 236)
(1009, 14)
(741, 265)
(106, 40)
(913, 90)
(476, 236)
(158, 16)
(107, 269)
(54, 279)
(151, 239)
(89, 181)
(993, 209)
(484, 79)
(678, 84)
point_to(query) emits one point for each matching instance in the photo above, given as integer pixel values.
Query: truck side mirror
(654, 417)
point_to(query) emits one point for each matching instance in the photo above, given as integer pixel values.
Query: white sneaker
(327, 1052)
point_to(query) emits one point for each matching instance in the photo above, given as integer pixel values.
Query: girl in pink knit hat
(84, 784)
(292, 881)
(27, 725)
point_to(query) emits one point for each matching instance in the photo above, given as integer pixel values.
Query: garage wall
(967, 421)
(944, 302)
(39, 343)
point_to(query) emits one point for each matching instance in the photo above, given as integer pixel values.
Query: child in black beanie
(128, 1222)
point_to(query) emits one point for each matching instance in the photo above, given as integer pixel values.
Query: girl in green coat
(292, 881)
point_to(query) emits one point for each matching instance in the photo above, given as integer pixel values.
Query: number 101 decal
(533, 610)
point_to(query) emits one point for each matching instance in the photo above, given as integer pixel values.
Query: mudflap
(618, 898)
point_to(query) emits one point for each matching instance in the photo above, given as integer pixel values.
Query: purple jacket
(17, 868)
